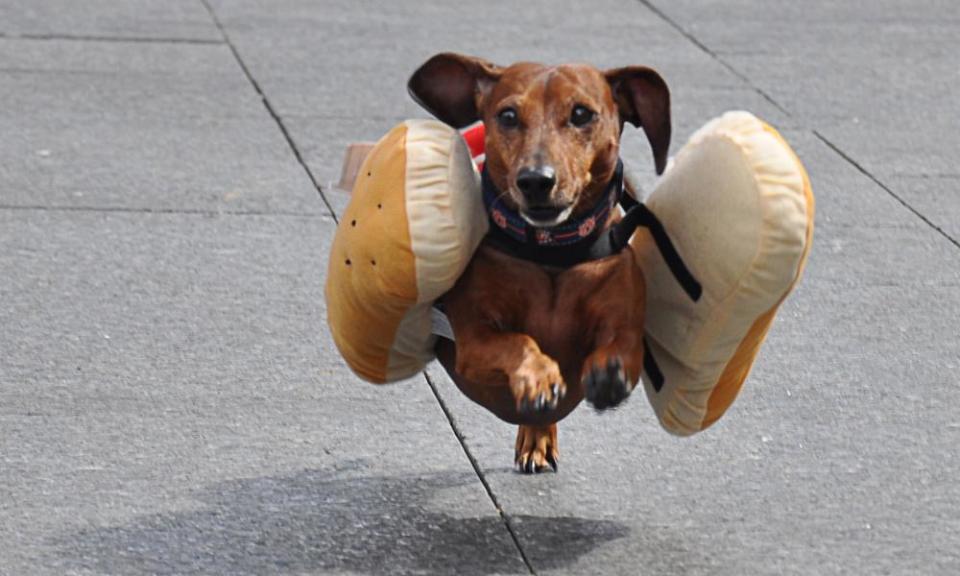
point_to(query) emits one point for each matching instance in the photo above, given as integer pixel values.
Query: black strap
(651, 368)
(639, 215)
(605, 244)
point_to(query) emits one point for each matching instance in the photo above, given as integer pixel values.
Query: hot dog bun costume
(735, 204)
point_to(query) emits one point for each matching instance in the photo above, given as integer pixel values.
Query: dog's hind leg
(536, 448)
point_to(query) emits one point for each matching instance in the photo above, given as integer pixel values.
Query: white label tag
(440, 324)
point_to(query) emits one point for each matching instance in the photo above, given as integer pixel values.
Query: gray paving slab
(815, 12)
(693, 106)
(365, 74)
(185, 164)
(172, 403)
(323, 141)
(765, 29)
(143, 19)
(909, 92)
(116, 57)
(844, 195)
(897, 151)
(112, 96)
(365, 88)
(114, 78)
(372, 14)
(811, 90)
(877, 84)
(140, 126)
(936, 197)
(857, 255)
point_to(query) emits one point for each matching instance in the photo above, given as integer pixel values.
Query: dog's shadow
(329, 521)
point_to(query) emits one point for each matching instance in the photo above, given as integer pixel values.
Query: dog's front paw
(605, 383)
(537, 384)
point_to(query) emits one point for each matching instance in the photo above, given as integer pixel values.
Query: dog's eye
(581, 116)
(508, 118)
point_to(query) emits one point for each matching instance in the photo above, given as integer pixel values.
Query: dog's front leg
(487, 355)
(612, 370)
(485, 308)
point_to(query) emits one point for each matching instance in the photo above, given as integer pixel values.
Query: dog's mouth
(546, 216)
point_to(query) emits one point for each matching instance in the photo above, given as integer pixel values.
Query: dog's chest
(558, 315)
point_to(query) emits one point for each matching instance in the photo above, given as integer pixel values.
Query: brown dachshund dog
(534, 338)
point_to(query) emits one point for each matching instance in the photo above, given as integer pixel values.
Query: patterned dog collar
(570, 232)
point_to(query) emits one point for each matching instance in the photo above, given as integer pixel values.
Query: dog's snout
(537, 183)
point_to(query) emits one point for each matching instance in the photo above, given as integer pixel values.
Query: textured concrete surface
(170, 401)
(161, 126)
(134, 20)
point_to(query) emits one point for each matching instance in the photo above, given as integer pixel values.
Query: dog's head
(553, 132)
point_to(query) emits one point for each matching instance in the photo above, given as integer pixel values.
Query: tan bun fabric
(738, 206)
(414, 220)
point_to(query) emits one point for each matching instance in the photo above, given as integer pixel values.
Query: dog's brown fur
(533, 341)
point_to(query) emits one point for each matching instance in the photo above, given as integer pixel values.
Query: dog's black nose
(536, 184)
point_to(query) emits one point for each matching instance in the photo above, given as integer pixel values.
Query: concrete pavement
(170, 401)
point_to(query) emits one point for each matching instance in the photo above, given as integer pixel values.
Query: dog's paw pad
(606, 386)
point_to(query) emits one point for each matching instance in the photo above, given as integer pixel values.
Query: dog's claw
(536, 383)
(545, 401)
(552, 460)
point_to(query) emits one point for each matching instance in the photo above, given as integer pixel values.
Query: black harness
(583, 239)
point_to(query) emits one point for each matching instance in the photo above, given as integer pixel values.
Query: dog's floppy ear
(644, 101)
(451, 87)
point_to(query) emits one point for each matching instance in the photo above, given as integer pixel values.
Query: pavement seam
(836, 149)
(460, 438)
(886, 188)
(11, 71)
(476, 468)
(696, 42)
(270, 109)
(149, 210)
(120, 39)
